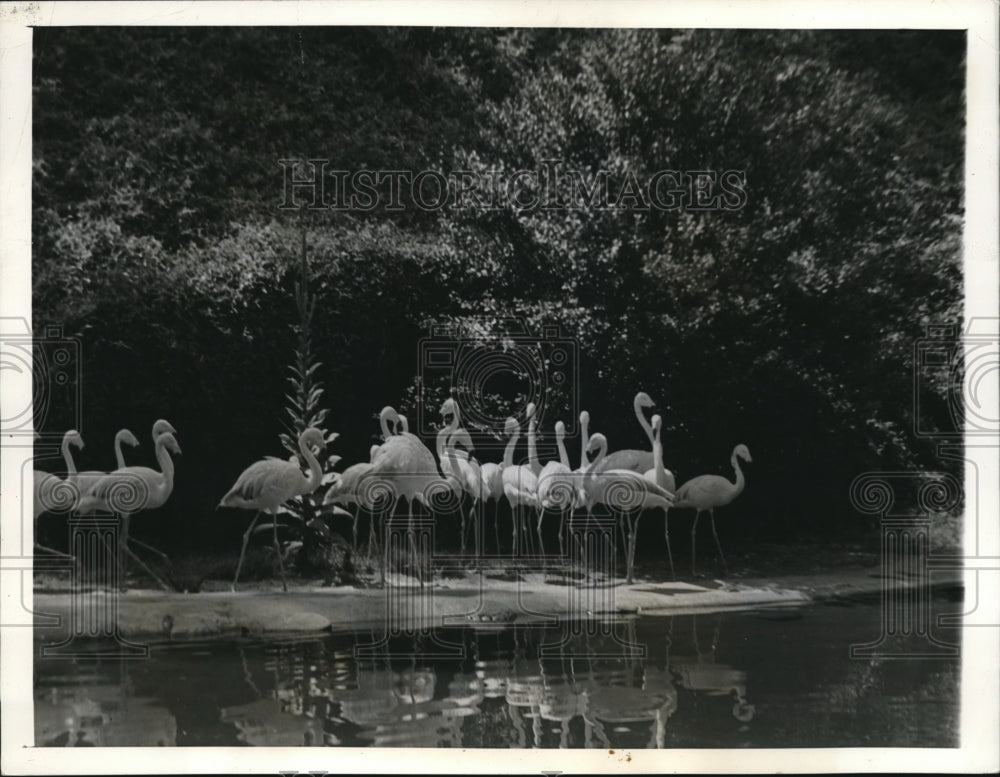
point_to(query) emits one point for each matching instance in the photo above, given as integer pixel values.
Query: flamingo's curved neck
(642, 420)
(661, 473)
(740, 480)
(119, 456)
(533, 461)
(442, 443)
(68, 456)
(584, 441)
(563, 456)
(602, 450)
(452, 456)
(315, 470)
(166, 463)
(383, 421)
(508, 453)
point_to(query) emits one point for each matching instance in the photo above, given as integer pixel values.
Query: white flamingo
(520, 483)
(630, 458)
(600, 485)
(459, 464)
(48, 488)
(268, 484)
(153, 492)
(706, 492)
(345, 491)
(559, 488)
(491, 474)
(664, 478)
(405, 462)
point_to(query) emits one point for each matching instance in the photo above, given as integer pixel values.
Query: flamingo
(664, 478)
(492, 491)
(520, 482)
(46, 483)
(89, 479)
(457, 464)
(584, 441)
(46, 486)
(91, 503)
(345, 491)
(157, 487)
(408, 464)
(635, 460)
(706, 492)
(124, 436)
(269, 483)
(599, 484)
(556, 482)
(469, 476)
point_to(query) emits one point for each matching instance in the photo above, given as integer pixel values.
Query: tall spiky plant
(304, 411)
(303, 408)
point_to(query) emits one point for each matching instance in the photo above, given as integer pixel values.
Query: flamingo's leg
(694, 530)
(277, 547)
(122, 546)
(150, 548)
(562, 520)
(541, 542)
(147, 570)
(514, 519)
(412, 542)
(243, 550)
(666, 534)
(354, 529)
(39, 546)
(496, 523)
(725, 567)
(633, 530)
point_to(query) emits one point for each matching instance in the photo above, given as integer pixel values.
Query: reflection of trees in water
(100, 711)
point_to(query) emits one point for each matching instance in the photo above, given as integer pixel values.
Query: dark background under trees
(788, 325)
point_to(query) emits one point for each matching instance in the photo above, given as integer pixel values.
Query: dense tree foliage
(787, 324)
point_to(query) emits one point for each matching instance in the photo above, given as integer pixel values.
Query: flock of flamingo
(403, 467)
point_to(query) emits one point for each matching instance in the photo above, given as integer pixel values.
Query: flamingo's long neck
(452, 456)
(68, 456)
(166, 465)
(563, 456)
(584, 442)
(508, 452)
(315, 470)
(533, 461)
(602, 450)
(383, 421)
(740, 480)
(119, 457)
(441, 444)
(661, 473)
(642, 420)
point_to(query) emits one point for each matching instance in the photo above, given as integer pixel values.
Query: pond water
(773, 678)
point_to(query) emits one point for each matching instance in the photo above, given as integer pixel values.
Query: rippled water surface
(778, 678)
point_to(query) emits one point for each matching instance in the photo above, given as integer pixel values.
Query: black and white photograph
(382, 379)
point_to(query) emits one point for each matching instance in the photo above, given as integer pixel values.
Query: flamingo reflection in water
(700, 673)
